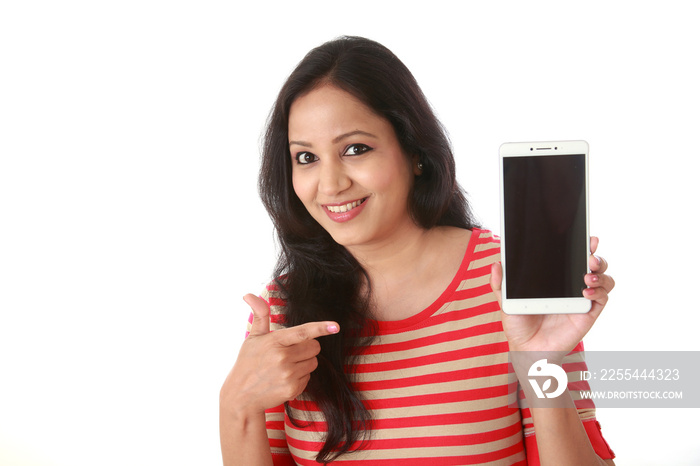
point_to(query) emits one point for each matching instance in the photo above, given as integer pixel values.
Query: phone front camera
(530, 148)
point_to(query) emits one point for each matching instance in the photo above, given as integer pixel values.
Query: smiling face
(349, 170)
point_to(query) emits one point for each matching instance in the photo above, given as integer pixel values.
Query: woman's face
(349, 170)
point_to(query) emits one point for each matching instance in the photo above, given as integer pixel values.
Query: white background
(130, 225)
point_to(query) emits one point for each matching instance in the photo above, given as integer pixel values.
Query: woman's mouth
(344, 212)
(345, 207)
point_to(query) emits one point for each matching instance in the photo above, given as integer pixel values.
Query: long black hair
(322, 280)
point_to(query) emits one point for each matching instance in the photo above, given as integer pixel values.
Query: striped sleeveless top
(438, 385)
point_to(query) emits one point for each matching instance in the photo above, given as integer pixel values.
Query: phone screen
(545, 221)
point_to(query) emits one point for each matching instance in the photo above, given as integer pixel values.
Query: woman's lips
(345, 211)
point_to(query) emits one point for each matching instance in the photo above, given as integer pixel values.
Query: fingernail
(597, 259)
(333, 328)
(594, 278)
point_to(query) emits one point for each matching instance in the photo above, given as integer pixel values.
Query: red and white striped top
(438, 385)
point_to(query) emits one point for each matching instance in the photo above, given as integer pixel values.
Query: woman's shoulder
(274, 292)
(274, 295)
(486, 238)
(480, 234)
(469, 240)
(485, 249)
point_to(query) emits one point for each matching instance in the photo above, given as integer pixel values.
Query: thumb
(496, 279)
(261, 314)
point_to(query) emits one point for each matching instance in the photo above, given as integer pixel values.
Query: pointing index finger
(300, 333)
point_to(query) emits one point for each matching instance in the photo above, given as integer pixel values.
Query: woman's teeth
(344, 208)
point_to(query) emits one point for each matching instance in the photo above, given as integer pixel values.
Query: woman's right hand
(272, 367)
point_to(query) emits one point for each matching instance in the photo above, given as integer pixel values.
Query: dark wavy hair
(321, 279)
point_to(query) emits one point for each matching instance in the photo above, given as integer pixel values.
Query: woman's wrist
(244, 438)
(236, 408)
(542, 378)
(240, 414)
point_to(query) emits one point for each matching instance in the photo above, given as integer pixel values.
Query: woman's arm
(559, 432)
(271, 368)
(561, 437)
(243, 438)
(573, 447)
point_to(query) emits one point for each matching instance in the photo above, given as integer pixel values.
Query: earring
(420, 166)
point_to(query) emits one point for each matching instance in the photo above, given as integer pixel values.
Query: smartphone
(545, 240)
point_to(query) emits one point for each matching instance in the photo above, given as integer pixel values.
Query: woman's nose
(333, 179)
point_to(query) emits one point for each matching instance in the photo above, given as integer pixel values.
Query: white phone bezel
(541, 305)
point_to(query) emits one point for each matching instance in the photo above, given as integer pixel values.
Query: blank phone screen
(545, 224)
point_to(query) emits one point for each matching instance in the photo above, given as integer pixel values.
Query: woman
(389, 344)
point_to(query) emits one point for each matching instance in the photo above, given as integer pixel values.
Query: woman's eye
(357, 149)
(305, 158)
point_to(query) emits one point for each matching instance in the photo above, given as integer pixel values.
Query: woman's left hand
(557, 332)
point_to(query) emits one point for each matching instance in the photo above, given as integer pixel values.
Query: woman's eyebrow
(353, 133)
(337, 139)
(300, 143)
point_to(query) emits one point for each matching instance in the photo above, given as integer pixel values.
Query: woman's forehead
(328, 112)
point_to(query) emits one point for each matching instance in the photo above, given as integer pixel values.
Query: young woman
(382, 341)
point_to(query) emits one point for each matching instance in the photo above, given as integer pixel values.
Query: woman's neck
(392, 256)
(410, 272)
